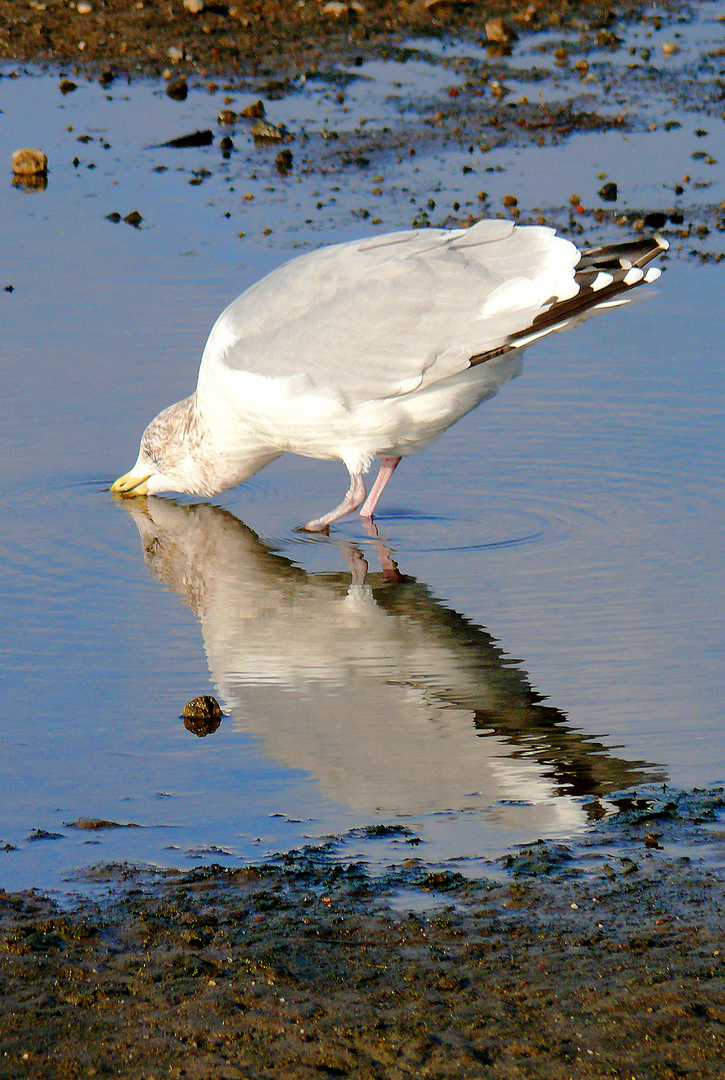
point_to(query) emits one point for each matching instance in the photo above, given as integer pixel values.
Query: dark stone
(283, 161)
(608, 192)
(202, 716)
(177, 89)
(43, 834)
(195, 138)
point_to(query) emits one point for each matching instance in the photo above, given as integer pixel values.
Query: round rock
(202, 715)
(29, 162)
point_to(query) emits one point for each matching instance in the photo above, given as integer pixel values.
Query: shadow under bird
(371, 349)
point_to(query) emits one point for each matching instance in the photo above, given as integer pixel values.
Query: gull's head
(166, 459)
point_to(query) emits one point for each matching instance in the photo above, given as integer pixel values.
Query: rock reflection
(390, 700)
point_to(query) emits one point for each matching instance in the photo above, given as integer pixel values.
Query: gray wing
(381, 317)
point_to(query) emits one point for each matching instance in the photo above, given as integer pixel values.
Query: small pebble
(255, 111)
(283, 161)
(499, 31)
(205, 705)
(262, 129)
(608, 192)
(177, 89)
(29, 162)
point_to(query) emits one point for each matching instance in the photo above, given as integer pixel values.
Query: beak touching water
(130, 485)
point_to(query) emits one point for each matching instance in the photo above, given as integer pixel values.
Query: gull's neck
(214, 447)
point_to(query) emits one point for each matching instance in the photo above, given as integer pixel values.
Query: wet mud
(601, 960)
(111, 36)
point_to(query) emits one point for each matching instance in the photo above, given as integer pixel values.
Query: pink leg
(355, 497)
(388, 465)
(358, 565)
(385, 554)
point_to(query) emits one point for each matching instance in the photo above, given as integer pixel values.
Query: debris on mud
(238, 38)
(186, 142)
(98, 824)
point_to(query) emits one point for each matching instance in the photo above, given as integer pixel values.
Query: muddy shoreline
(604, 959)
(265, 52)
(265, 38)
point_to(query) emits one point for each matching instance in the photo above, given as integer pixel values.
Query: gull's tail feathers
(606, 277)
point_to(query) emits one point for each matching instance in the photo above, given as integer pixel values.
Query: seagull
(371, 349)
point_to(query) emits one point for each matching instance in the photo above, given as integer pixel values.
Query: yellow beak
(129, 485)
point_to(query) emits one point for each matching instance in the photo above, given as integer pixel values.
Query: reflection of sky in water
(578, 518)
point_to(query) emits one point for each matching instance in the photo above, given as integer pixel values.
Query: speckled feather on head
(371, 349)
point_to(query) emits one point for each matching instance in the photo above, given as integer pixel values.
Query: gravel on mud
(243, 36)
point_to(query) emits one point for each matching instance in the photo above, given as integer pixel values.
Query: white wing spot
(633, 276)
(601, 281)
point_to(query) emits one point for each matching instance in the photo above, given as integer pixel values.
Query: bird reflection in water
(387, 698)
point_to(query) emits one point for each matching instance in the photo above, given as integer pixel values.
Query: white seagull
(371, 349)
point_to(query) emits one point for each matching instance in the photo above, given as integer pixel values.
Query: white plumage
(371, 349)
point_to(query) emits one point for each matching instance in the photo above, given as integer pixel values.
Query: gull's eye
(151, 453)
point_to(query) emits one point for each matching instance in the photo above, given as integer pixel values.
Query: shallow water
(557, 630)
